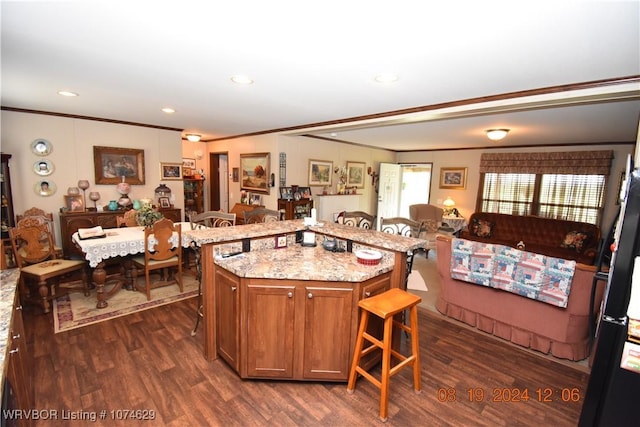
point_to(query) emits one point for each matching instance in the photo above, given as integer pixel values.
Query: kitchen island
(263, 277)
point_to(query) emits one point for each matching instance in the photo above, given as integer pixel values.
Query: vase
(113, 205)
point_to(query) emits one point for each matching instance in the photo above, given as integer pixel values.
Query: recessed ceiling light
(241, 79)
(168, 110)
(386, 78)
(67, 93)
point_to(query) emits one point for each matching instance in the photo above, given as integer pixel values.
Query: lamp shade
(193, 137)
(497, 134)
(448, 202)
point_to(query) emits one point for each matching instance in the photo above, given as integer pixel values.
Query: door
(327, 341)
(218, 182)
(270, 330)
(401, 186)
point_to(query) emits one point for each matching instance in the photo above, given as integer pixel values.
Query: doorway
(219, 181)
(402, 185)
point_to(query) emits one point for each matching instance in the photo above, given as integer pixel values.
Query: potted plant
(147, 216)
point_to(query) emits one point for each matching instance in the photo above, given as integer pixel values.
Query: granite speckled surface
(8, 285)
(251, 231)
(304, 263)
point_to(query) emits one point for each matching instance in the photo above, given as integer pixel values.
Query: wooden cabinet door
(327, 332)
(17, 372)
(270, 329)
(228, 323)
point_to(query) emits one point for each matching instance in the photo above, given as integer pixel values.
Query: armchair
(431, 218)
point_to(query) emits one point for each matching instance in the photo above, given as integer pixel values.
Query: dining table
(122, 243)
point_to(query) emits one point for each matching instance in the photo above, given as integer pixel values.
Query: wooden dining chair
(40, 268)
(45, 218)
(162, 252)
(128, 219)
(358, 219)
(261, 215)
(209, 219)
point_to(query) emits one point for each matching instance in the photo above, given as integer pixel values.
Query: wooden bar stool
(385, 306)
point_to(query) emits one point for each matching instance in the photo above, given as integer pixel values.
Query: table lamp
(448, 206)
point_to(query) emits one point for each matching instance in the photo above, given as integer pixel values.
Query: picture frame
(170, 171)
(164, 202)
(112, 163)
(255, 172)
(320, 172)
(355, 174)
(189, 163)
(305, 192)
(453, 178)
(286, 193)
(280, 241)
(74, 203)
(187, 172)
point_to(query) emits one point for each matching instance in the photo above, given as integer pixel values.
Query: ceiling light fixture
(67, 93)
(193, 137)
(386, 78)
(497, 134)
(241, 79)
(168, 110)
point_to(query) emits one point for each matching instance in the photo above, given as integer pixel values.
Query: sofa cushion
(481, 227)
(576, 240)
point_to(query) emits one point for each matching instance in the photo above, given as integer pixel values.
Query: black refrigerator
(613, 393)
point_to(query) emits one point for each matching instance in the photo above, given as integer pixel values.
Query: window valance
(569, 163)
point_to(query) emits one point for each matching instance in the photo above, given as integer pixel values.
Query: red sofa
(562, 332)
(578, 241)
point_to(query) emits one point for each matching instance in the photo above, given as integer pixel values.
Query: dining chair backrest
(401, 226)
(37, 212)
(212, 219)
(358, 219)
(261, 215)
(163, 248)
(128, 219)
(32, 242)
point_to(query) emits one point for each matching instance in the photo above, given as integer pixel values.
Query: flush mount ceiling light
(67, 93)
(168, 110)
(193, 137)
(386, 78)
(497, 134)
(241, 79)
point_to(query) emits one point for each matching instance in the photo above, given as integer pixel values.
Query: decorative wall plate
(41, 147)
(45, 188)
(43, 167)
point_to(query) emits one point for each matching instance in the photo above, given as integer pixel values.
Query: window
(528, 184)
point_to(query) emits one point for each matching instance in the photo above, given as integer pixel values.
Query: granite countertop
(8, 286)
(375, 238)
(304, 263)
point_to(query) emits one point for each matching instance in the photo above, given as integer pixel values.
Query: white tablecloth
(455, 222)
(121, 242)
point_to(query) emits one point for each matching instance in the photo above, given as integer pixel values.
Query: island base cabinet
(227, 309)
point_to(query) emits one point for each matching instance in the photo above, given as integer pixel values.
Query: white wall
(470, 159)
(72, 157)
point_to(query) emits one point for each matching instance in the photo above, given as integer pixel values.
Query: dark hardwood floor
(148, 361)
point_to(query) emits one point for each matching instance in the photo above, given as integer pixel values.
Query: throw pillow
(481, 227)
(575, 240)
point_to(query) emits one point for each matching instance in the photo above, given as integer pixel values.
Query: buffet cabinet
(288, 329)
(70, 222)
(295, 209)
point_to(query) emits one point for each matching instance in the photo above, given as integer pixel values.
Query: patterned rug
(75, 310)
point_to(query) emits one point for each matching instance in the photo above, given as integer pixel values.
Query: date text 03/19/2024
(505, 394)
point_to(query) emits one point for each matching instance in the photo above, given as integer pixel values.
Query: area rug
(75, 310)
(416, 282)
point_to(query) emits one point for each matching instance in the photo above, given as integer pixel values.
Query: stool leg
(415, 348)
(357, 352)
(386, 367)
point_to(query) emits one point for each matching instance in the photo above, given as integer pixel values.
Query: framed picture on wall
(355, 174)
(170, 171)
(113, 163)
(255, 172)
(453, 178)
(320, 172)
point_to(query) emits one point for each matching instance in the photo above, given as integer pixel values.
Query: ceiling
(462, 67)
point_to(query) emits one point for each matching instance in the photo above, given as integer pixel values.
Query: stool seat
(386, 305)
